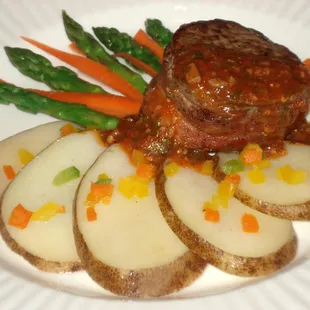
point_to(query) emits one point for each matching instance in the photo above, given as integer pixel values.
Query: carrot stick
(143, 39)
(91, 68)
(76, 50)
(138, 63)
(113, 105)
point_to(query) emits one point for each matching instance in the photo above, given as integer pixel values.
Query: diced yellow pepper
(219, 202)
(25, 156)
(264, 164)
(256, 176)
(291, 176)
(284, 173)
(226, 189)
(133, 186)
(103, 176)
(138, 157)
(171, 169)
(299, 176)
(209, 205)
(207, 167)
(47, 211)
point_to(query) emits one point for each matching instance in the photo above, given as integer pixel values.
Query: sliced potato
(33, 140)
(275, 197)
(49, 245)
(224, 244)
(129, 249)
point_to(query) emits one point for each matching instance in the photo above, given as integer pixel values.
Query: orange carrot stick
(113, 105)
(138, 63)
(91, 68)
(143, 39)
(91, 214)
(249, 223)
(76, 50)
(9, 172)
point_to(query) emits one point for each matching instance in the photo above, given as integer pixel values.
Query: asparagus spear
(92, 48)
(30, 102)
(41, 69)
(122, 42)
(158, 32)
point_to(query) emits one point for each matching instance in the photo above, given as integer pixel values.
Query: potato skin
(143, 283)
(296, 212)
(233, 264)
(36, 261)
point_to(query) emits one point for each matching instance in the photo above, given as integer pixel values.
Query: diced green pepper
(104, 181)
(233, 166)
(66, 176)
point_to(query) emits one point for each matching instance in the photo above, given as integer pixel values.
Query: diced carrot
(233, 178)
(94, 69)
(251, 154)
(102, 190)
(76, 50)
(143, 39)
(145, 170)
(212, 215)
(307, 62)
(68, 129)
(250, 223)
(113, 105)
(138, 63)
(20, 217)
(91, 214)
(9, 172)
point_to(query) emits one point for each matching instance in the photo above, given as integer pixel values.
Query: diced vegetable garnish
(91, 214)
(291, 176)
(226, 189)
(133, 186)
(20, 217)
(138, 157)
(192, 74)
(264, 164)
(220, 202)
(251, 154)
(25, 156)
(66, 175)
(68, 129)
(233, 166)
(209, 205)
(256, 176)
(233, 178)
(171, 169)
(145, 170)
(212, 215)
(9, 172)
(103, 179)
(102, 190)
(207, 167)
(249, 223)
(47, 211)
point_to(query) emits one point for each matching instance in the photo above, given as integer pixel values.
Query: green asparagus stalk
(122, 42)
(93, 49)
(41, 69)
(158, 32)
(30, 102)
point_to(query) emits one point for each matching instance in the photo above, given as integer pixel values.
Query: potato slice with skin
(224, 244)
(34, 140)
(130, 250)
(275, 197)
(49, 246)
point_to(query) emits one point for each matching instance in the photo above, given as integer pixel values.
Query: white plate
(23, 287)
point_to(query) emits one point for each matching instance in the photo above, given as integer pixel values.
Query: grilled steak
(231, 85)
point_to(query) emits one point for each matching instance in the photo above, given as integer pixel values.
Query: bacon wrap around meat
(249, 89)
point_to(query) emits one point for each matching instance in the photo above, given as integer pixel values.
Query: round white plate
(23, 287)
